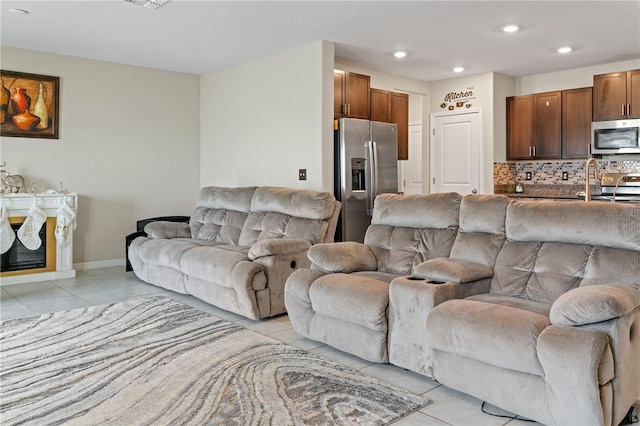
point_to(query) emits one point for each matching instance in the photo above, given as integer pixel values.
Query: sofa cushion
(417, 211)
(598, 224)
(592, 304)
(514, 302)
(287, 213)
(495, 334)
(168, 252)
(268, 225)
(213, 264)
(221, 213)
(453, 270)
(293, 202)
(540, 271)
(352, 298)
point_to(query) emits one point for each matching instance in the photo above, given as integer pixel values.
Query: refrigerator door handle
(372, 150)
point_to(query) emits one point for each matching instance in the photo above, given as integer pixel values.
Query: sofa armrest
(453, 270)
(346, 257)
(165, 229)
(594, 303)
(278, 246)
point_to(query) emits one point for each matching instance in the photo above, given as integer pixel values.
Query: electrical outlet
(527, 176)
(565, 175)
(302, 174)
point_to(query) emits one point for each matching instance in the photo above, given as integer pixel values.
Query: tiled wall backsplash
(551, 173)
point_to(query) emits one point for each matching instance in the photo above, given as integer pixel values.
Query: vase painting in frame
(30, 105)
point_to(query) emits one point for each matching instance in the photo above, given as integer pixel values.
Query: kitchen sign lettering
(461, 99)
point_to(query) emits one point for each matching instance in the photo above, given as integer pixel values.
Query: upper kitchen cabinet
(351, 97)
(393, 107)
(576, 122)
(519, 127)
(549, 125)
(381, 105)
(400, 116)
(616, 96)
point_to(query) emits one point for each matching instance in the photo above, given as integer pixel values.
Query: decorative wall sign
(30, 105)
(461, 99)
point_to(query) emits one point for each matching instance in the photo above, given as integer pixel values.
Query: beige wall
(129, 146)
(263, 120)
(569, 79)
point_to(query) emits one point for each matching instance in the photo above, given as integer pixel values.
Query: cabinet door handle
(628, 109)
(530, 152)
(623, 110)
(534, 150)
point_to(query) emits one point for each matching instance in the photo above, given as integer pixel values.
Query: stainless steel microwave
(615, 137)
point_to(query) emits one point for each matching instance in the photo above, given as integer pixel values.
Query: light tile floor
(108, 285)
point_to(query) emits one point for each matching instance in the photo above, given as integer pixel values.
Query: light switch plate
(565, 175)
(302, 174)
(527, 176)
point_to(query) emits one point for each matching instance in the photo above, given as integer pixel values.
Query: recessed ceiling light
(400, 54)
(458, 69)
(19, 11)
(565, 49)
(510, 28)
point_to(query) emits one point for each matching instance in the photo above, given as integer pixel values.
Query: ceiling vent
(149, 4)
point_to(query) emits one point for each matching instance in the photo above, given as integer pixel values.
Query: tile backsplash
(550, 173)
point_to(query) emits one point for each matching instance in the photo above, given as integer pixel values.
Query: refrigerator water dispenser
(357, 174)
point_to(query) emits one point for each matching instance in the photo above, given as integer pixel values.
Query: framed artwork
(30, 105)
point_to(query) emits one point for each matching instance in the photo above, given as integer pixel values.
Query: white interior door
(456, 152)
(411, 169)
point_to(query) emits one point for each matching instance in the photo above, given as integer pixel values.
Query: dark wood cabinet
(381, 105)
(400, 116)
(393, 107)
(547, 125)
(576, 122)
(519, 127)
(351, 97)
(616, 96)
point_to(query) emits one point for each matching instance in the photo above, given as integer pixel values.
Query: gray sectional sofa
(533, 306)
(239, 247)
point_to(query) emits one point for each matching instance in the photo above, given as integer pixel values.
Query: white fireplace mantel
(18, 205)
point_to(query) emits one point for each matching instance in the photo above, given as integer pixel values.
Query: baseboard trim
(84, 266)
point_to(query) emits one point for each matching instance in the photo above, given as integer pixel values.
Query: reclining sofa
(239, 246)
(533, 306)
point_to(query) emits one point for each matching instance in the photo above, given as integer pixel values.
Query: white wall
(482, 86)
(263, 120)
(569, 79)
(128, 146)
(503, 86)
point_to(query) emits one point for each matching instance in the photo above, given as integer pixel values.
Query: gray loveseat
(531, 306)
(239, 247)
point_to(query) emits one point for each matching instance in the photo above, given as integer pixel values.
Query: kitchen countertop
(559, 192)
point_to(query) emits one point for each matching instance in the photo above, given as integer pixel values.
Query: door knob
(474, 191)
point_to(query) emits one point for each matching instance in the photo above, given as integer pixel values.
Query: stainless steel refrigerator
(366, 164)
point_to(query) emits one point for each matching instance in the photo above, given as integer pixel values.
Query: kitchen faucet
(596, 175)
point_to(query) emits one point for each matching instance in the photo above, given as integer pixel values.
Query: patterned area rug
(157, 361)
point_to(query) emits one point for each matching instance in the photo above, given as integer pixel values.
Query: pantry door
(456, 152)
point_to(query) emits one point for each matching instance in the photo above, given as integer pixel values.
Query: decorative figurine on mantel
(10, 183)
